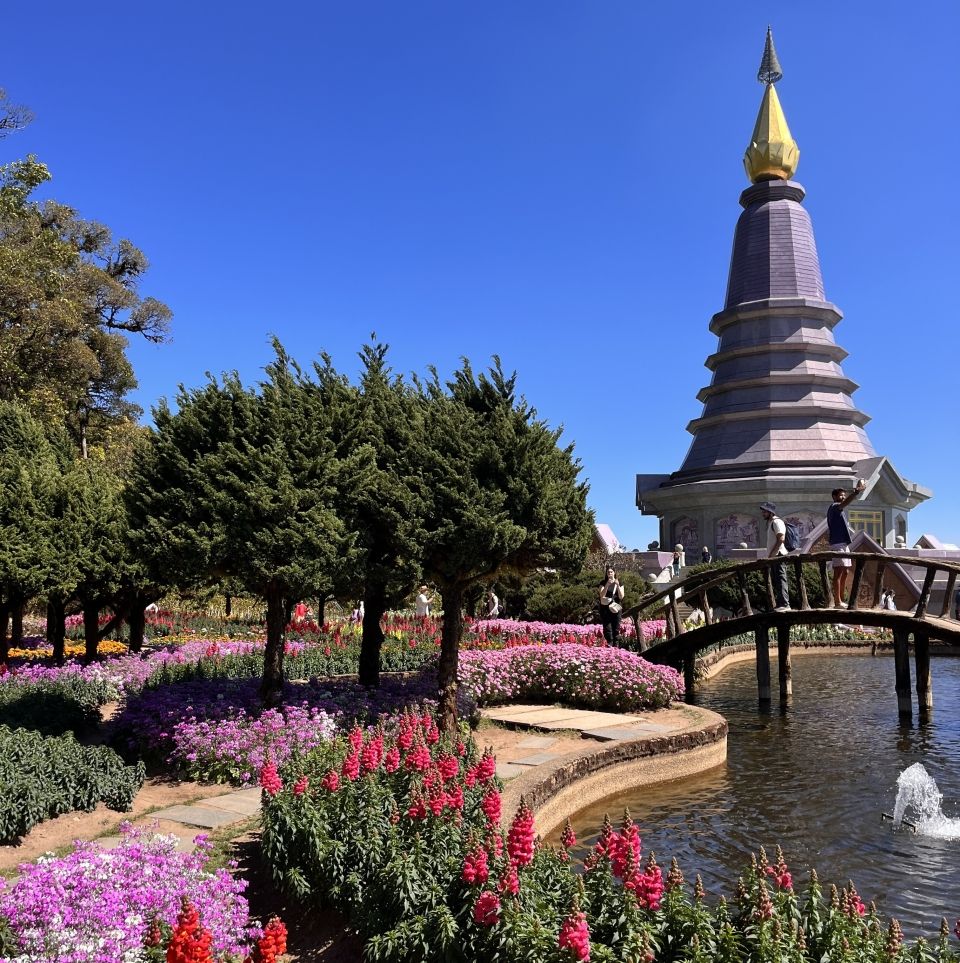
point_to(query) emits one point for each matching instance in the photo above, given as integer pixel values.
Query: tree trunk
(451, 633)
(56, 630)
(371, 641)
(4, 643)
(287, 612)
(227, 605)
(321, 609)
(136, 620)
(16, 624)
(271, 688)
(91, 629)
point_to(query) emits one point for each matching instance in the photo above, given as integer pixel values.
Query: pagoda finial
(770, 71)
(773, 154)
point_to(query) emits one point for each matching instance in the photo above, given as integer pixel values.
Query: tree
(383, 506)
(28, 540)
(240, 485)
(68, 298)
(503, 496)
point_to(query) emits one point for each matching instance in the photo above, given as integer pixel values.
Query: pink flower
(575, 936)
(351, 767)
(509, 882)
(331, 781)
(475, 868)
(520, 836)
(486, 910)
(270, 779)
(391, 762)
(491, 806)
(301, 786)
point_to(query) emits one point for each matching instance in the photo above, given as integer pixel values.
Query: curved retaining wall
(560, 789)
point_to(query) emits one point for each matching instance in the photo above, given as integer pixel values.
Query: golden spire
(773, 154)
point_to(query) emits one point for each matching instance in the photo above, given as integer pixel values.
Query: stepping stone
(246, 802)
(183, 844)
(198, 816)
(536, 759)
(536, 742)
(507, 770)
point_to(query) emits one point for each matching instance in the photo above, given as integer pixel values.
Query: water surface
(815, 777)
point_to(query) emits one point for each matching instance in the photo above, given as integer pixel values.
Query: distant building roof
(608, 541)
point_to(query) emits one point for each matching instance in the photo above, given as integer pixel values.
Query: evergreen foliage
(503, 497)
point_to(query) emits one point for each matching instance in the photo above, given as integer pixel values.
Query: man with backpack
(776, 547)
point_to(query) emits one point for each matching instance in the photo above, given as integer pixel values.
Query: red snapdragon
(270, 780)
(575, 936)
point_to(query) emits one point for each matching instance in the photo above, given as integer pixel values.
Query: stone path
(212, 813)
(600, 726)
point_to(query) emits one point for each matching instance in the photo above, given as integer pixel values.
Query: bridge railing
(698, 586)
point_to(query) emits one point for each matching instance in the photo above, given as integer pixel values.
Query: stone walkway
(598, 726)
(213, 813)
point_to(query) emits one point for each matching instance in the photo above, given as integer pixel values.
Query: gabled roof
(605, 534)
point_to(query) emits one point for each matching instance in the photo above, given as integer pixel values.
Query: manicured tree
(384, 505)
(243, 485)
(28, 547)
(503, 497)
(95, 521)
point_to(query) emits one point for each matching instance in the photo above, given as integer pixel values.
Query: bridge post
(762, 641)
(689, 675)
(901, 659)
(921, 653)
(784, 663)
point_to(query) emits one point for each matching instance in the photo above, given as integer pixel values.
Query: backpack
(791, 539)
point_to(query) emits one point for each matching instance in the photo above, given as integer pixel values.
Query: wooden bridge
(756, 614)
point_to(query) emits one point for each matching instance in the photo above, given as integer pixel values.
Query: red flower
(356, 738)
(491, 806)
(331, 781)
(520, 836)
(351, 767)
(448, 766)
(190, 942)
(271, 944)
(301, 786)
(475, 868)
(486, 910)
(575, 936)
(391, 762)
(569, 838)
(270, 779)
(509, 882)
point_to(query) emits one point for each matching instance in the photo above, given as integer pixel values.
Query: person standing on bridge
(776, 536)
(838, 531)
(611, 597)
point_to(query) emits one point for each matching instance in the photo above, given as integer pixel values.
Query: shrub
(578, 675)
(45, 776)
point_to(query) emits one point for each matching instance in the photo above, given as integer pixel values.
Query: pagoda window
(869, 521)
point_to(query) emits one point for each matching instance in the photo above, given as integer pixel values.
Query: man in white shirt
(776, 534)
(423, 601)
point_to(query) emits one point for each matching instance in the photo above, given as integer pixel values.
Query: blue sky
(554, 182)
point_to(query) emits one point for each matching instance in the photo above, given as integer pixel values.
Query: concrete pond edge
(560, 789)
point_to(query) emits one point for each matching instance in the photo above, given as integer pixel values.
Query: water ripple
(815, 778)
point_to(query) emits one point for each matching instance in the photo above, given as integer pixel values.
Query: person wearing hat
(776, 534)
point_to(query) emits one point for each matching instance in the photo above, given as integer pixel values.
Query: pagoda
(779, 422)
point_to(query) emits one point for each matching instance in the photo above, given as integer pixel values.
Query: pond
(815, 778)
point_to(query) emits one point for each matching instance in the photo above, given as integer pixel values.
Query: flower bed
(218, 728)
(578, 675)
(96, 905)
(437, 879)
(44, 776)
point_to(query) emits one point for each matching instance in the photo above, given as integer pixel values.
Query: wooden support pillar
(825, 586)
(853, 601)
(925, 592)
(878, 584)
(771, 598)
(784, 664)
(801, 584)
(689, 675)
(921, 653)
(946, 610)
(901, 659)
(747, 609)
(762, 640)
